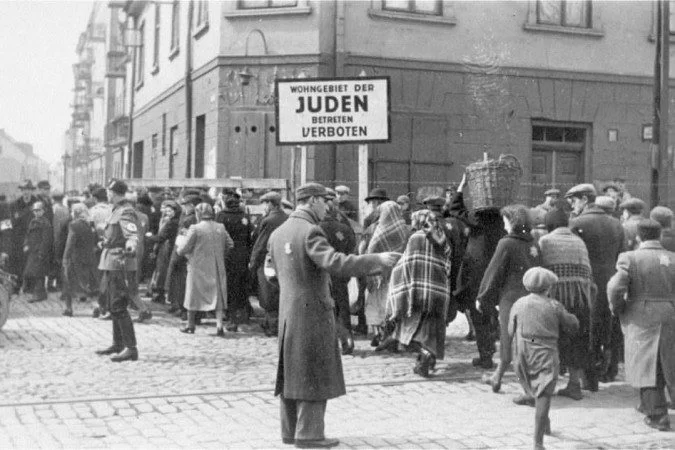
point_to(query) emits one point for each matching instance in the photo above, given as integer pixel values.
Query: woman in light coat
(206, 245)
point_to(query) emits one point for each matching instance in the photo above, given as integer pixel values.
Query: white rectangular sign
(336, 110)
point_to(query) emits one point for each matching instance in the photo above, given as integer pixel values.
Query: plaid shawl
(391, 232)
(420, 278)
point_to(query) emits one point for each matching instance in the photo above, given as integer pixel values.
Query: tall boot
(118, 343)
(126, 326)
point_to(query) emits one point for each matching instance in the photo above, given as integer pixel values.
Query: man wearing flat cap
(44, 195)
(375, 198)
(641, 294)
(603, 236)
(631, 215)
(119, 264)
(550, 196)
(268, 293)
(310, 369)
(344, 204)
(664, 216)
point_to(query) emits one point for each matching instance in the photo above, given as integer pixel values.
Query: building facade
(18, 163)
(566, 87)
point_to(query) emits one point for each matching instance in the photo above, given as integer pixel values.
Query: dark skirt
(80, 280)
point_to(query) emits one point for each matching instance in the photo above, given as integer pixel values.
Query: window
(566, 13)
(253, 4)
(155, 49)
(154, 146)
(173, 150)
(175, 29)
(164, 134)
(140, 57)
(202, 14)
(433, 7)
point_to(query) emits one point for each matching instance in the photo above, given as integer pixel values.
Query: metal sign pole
(363, 180)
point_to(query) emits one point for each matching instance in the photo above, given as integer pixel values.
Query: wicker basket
(494, 182)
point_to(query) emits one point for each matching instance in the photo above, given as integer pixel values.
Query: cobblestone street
(200, 391)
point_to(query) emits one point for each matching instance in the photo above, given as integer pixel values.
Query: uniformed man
(268, 293)
(118, 263)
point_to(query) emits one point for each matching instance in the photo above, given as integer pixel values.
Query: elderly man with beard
(310, 369)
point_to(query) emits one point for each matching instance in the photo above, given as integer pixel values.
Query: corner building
(566, 87)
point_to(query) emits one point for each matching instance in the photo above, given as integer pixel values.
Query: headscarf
(427, 221)
(80, 211)
(391, 232)
(204, 211)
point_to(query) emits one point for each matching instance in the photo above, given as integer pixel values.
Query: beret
(377, 194)
(272, 197)
(581, 189)
(118, 187)
(538, 279)
(552, 192)
(633, 205)
(402, 198)
(434, 200)
(342, 188)
(606, 203)
(662, 215)
(330, 194)
(44, 184)
(310, 190)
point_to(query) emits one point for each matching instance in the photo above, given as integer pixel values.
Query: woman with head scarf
(502, 283)
(390, 235)
(162, 244)
(206, 245)
(419, 291)
(79, 258)
(565, 254)
(534, 324)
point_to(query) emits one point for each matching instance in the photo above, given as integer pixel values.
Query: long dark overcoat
(268, 294)
(80, 260)
(163, 246)
(21, 217)
(647, 313)
(309, 365)
(39, 240)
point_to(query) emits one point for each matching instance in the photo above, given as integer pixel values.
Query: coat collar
(592, 208)
(527, 237)
(305, 214)
(651, 245)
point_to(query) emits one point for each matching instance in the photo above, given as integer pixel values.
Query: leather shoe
(316, 443)
(288, 441)
(96, 312)
(233, 327)
(389, 344)
(348, 346)
(68, 313)
(143, 316)
(110, 350)
(106, 316)
(658, 423)
(487, 379)
(571, 391)
(483, 363)
(130, 354)
(221, 333)
(524, 400)
(188, 330)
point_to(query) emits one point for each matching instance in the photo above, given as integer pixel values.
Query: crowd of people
(570, 285)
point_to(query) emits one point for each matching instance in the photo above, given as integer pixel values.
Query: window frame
(140, 58)
(446, 16)
(174, 45)
(201, 25)
(412, 10)
(595, 30)
(233, 12)
(156, 40)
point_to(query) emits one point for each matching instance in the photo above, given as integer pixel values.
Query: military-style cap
(118, 187)
(662, 215)
(633, 205)
(342, 189)
(44, 184)
(552, 192)
(538, 279)
(434, 200)
(580, 190)
(377, 194)
(310, 190)
(331, 194)
(402, 199)
(606, 203)
(272, 197)
(28, 185)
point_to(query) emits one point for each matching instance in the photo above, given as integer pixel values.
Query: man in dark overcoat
(268, 293)
(38, 249)
(238, 225)
(642, 294)
(21, 217)
(343, 239)
(310, 369)
(604, 239)
(119, 263)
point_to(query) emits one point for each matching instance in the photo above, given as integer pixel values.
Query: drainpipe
(132, 88)
(338, 59)
(188, 93)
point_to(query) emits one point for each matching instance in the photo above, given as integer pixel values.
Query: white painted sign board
(332, 111)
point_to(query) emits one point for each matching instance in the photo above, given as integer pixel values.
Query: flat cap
(330, 194)
(193, 199)
(27, 185)
(581, 189)
(118, 187)
(434, 201)
(287, 204)
(609, 186)
(663, 215)
(402, 199)
(44, 184)
(552, 192)
(310, 190)
(272, 197)
(538, 279)
(377, 194)
(633, 205)
(606, 203)
(342, 189)
(648, 225)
